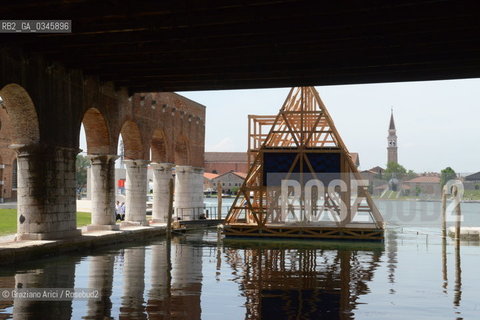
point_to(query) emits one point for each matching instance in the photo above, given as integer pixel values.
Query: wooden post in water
(457, 296)
(170, 207)
(458, 213)
(444, 212)
(444, 264)
(219, 201)
(458, 270)
(168, 247)
(219, 251)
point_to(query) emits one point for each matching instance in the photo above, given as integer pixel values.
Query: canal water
(413, 275)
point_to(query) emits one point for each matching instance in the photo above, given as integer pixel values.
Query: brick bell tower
(392, 142)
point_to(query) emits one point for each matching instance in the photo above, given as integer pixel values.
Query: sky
(437, 122)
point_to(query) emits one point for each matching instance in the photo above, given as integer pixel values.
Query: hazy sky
(437, 121)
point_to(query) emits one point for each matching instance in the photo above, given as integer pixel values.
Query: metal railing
(199, 213)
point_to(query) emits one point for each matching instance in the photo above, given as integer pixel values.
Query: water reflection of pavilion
(284, 283)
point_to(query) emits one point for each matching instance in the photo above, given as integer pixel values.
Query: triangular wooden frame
(303, 126)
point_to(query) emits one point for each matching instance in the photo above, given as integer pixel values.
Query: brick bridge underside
(42, 111)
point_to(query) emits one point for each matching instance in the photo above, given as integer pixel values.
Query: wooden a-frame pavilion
(302, 182)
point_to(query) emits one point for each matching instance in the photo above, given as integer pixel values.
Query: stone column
(103, 192)
(100, 277)
(162, 173)
(60, 274)
(89, 184)
(187, 277)
(47, 206)
(158, 304)
(136, 193)
(183, 202)
(198, 191)
(133, 303)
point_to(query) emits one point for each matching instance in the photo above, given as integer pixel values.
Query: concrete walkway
(8, 205)
(84, 206)
(17, 251)
(7, 238)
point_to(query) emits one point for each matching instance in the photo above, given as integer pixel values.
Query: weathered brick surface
(223, 167)
(222, 162)
(7, 157)
(172, 126)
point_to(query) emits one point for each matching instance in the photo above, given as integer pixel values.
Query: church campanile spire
(392, 148)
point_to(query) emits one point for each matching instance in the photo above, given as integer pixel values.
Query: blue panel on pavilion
(276, 167)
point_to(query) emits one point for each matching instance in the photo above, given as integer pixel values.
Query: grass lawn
(83, 219)
(8, 220)
(471, 195)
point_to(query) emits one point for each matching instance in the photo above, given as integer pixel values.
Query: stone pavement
(16, 251)
(8, 205)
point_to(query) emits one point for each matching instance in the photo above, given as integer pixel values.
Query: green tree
(447, 174)
(81, 165)
(411, 174)
(234, 190)
(394, 170)
(418, 190)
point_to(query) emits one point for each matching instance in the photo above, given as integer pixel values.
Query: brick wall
(223, 167)
(7, 158)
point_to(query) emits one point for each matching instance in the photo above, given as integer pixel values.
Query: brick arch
(158, 145)
(182, 151)
(132, 140)
(96, 131)
(22, 115)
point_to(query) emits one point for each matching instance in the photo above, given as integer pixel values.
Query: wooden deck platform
(186, 225)
(352, 231)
